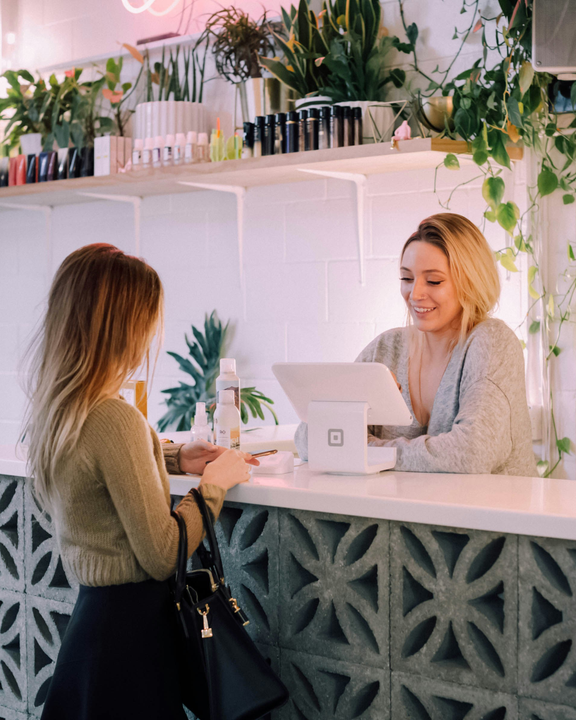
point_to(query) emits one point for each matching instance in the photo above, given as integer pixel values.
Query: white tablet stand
(339, 401)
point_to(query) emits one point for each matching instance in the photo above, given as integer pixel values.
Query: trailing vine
(501, 101)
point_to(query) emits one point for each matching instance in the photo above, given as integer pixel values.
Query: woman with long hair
(460, 371)
(101, 472)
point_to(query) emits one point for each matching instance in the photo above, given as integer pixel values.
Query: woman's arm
(479, 442)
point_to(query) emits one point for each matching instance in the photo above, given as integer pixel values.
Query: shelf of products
(270, 170)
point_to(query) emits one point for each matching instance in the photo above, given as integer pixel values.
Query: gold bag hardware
(206, 630)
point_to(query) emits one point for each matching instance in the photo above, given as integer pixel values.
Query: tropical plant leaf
(507, 215)
(547, 182)
(493, 191)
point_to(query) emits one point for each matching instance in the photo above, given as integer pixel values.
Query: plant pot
(318, 101)
(377, 120)
(435, 113)
(31, 144)
(263, 96)
(164, 117)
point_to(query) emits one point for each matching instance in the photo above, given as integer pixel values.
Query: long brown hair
(104, 308)
(472, 264)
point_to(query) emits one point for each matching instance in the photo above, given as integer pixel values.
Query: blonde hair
(472, 265)
(104, 308)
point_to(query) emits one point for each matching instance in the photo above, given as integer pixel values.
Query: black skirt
(119, 657)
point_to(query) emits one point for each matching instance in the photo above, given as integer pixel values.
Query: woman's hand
(229, 469)
(194, 456)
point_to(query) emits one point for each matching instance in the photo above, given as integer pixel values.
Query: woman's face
(428, 289)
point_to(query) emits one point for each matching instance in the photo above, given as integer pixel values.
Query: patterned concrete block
(12, 533)
(248, 539)
(8, 714)
(420, 698)
(547, 620)
(538, 710)
(45, 574)
(46, 623)
(454, 605)
(334, 586)
(13, 681)
(325, 689)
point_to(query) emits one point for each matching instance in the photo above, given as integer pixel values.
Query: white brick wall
(302, 298)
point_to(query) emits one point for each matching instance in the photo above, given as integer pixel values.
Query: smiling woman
(460, 371)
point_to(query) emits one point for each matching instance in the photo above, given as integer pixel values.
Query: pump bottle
(227, 421)
(228, 380)
(201, 429)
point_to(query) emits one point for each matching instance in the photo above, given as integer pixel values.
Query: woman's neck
(441, 343)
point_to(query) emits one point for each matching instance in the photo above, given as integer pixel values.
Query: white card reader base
(338, 440)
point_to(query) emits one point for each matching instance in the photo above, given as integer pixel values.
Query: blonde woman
(461, 372)
(100, 471)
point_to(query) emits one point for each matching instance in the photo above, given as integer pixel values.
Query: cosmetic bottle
(74, 161)
(304, 142)
(21, 166)
(167, 154)
(201, 429)
(203, 148)
(62, 173)
(248, 144)
(281, 139)
(190, 149)
(358, 127)
(147, 151)
(336, 127)
(12, 164)
(179, 147)
(228, 380)
(30, 168)
(259, 136)
(157, 151)
(227, 421)
(324, 129)
(86, 161)
(270, 134)
(137, 151)
(43, 166)
(52, 166)
(348, 126)
(293, 132)
(4, 171)
(313, 128)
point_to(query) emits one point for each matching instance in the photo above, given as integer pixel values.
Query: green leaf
(550, 129)
(480, 157)
(526, 76)
(451, 162)
(398, 77)
(520, 244)
(514, 112)
(498, 148)
(508, 263)
(490, 215)
(542, 467)
(550, 306)
(493, 191)
(564, 445)
(567, 199)
(547, 182)
(507, 214)
(534, 327)
(573, 95)
(555, 350)
(412, 33)
(571, 252)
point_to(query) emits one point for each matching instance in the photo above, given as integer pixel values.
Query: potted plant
(28, 110)
(174, 93)
(237, 44)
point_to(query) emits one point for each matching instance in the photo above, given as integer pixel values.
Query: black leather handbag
(225, 677)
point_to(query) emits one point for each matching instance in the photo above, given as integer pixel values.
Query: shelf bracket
(136, 204)
(240, 193)
(360, 181)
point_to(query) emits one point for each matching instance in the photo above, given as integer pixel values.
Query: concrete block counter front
(402, 596)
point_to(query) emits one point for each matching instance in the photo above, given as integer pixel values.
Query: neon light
(147, 5)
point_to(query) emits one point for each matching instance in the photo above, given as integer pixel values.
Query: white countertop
(525, 506)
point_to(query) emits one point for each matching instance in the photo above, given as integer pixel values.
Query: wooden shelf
(271, 170)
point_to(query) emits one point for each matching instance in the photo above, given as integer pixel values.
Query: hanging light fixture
(148, 5)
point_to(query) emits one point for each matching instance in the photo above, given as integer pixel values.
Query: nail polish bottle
(348, 127)
(304, 142)
(203, 148)
(167, 155)
(147, 152)
(324, 128)
(157, 151)
(31, 168)
(270, 134)
(137, 154)
(293, 132)
(313, 128)
(336, 127)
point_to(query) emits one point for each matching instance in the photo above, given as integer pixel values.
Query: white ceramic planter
(164, 117)
(31, 144)
(318, 101)
(377, 120)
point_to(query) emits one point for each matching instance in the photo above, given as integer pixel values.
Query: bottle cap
(158, 141)
(313, 113)
(347, 112)
(293, 116)
(180, 139)
(336, 111)
(280, 118)
(149, 143)
(248, 134)
(200, 418)
(303, 114)
(227, 365)
(192, 137)
(226, 397)
(325, 112)
(169, 141)
(357, 112)
(138, 144)
(270, 119)
(203, 139)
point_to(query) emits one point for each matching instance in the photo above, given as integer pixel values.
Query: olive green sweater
(112, 510)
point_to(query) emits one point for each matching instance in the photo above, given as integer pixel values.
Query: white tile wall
(302, 299)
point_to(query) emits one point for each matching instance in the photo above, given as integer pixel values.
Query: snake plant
(205, 351)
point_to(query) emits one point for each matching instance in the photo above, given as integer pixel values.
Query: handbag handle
(180, 575)
(211, 557)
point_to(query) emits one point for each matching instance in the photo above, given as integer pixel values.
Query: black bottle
(336, 127)
(270, 134)
(293, 132)
(358, 127)
(304, 143)
(259, 138)
(280, 141)
(31, 168)
(348, 127)
(313, 128)
(74, 161)
(324, 128)
(87, 162)
(248, 145)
